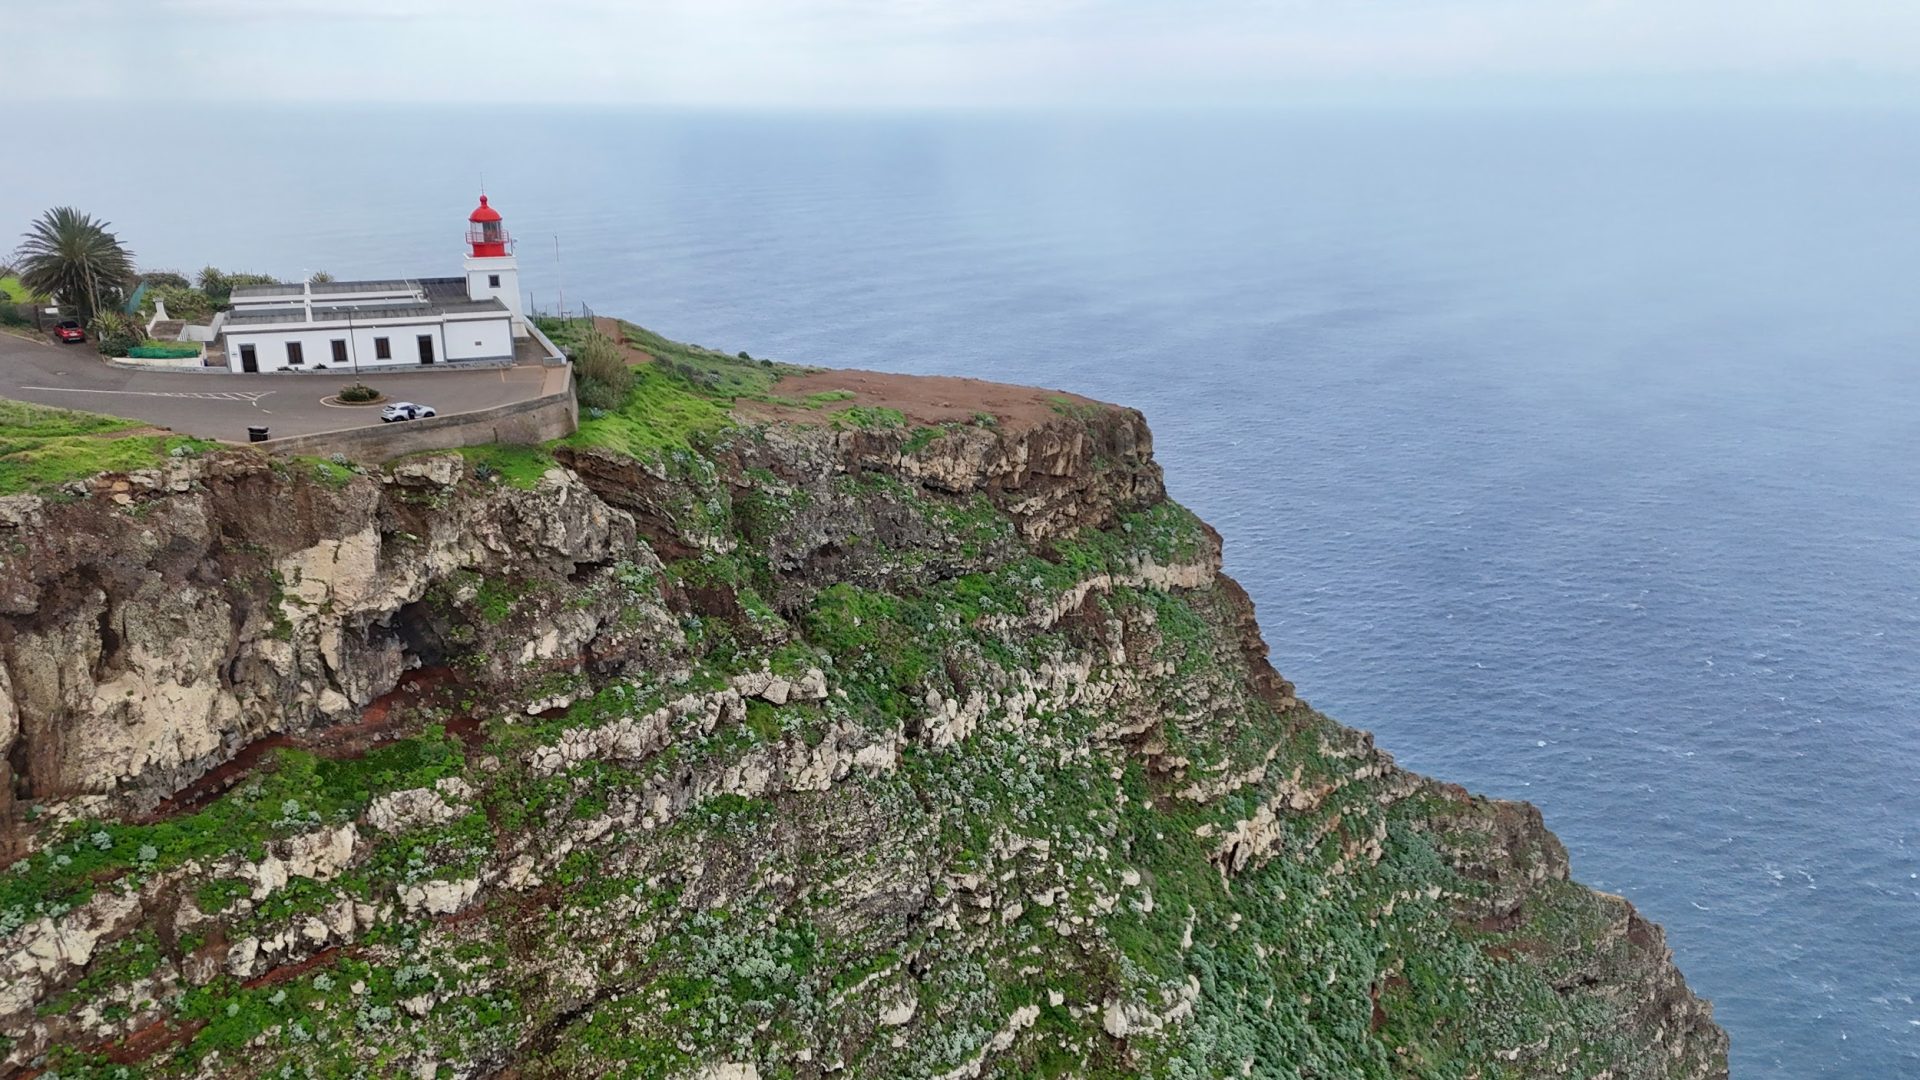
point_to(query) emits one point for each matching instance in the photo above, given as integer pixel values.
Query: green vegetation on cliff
(943, 755)
(43, 447)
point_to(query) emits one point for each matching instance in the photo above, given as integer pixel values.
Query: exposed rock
(835, 746)
(439, 897)
(413, 808)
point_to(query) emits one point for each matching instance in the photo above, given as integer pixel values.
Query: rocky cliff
(832, 739)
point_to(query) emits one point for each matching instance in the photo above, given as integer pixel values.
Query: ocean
(1571, 453)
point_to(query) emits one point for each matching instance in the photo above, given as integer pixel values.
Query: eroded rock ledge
(931, 751)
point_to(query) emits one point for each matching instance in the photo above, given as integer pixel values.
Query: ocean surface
(1574, 454)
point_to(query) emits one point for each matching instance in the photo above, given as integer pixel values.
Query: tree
(215, 284)
(320, 277)
(169, 279)
(71, 257)
(115, 332)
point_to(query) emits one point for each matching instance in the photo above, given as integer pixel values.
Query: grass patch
(1079, 410)
(707, 370)
(13, 291)
(519, 466)
(325, 471)
(298, 792)
(661, 413)
(870, 418)
(920, 439)
(566, 334)
(43, 447)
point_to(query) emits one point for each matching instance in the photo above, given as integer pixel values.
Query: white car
(406, 410)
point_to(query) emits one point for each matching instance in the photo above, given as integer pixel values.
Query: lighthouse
(492, 271)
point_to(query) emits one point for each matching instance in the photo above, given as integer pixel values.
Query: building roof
(279, 316)
(382, 286)
(445, 290)
(484, 212)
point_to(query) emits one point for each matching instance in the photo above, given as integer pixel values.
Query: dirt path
(613, 329)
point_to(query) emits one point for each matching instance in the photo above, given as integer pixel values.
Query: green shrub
(183, 302)
(116, 333)
(601, 377)
(358, 392)
(219, 285)
(870, 417)
(165, 279)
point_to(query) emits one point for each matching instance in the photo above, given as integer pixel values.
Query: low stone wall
(552, 415)
(165, 363)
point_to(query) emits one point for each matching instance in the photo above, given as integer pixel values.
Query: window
(339, 350)
(295, 357)
(493, 281)
(426, 348)
(382, 349)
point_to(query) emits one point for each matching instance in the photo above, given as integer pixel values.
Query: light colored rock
(320, 855)
(813, 686)
(438, 897)
(777, 691)
(440, 470)
(899, 1011)
(241, 955)
(21, 511)
(1124, 1018)
(520, 875)
(413, 808)
(341, 918)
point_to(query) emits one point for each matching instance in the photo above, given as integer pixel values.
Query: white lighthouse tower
(492, 271)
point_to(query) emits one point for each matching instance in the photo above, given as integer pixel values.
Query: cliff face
(802, 749)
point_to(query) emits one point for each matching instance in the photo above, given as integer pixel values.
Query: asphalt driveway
(219, 405)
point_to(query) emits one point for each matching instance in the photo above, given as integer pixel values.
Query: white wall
(478, 272)
(317, 344)
(479, 339)
(485, 338)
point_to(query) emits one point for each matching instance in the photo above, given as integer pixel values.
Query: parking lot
(219, 405)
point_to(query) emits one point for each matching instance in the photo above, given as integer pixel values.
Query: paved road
(222, 406)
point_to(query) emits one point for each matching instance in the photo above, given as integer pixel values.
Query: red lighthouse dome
(485, 232)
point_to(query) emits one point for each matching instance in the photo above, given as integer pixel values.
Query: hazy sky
(962, 52)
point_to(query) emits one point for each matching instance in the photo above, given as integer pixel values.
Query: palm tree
(72, 257)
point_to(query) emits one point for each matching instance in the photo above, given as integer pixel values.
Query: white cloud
(944, 52)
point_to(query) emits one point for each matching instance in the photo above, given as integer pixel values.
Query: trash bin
(256, 434)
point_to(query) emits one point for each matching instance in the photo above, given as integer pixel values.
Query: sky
(963, 53)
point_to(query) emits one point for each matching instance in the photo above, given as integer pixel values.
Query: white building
(399, 323)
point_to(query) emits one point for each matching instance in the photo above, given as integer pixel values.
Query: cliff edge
(781, 723)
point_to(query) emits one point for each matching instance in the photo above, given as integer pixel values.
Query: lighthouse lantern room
(492, 271)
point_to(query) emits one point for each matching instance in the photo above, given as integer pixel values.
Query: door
(426, 348)
(249, 360)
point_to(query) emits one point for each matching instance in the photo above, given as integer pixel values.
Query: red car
(69, 332)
